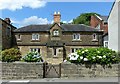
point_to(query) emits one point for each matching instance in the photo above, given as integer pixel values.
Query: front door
(55, 55)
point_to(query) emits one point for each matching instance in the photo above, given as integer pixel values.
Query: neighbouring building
(6, 34)
(114, 27)
(55, 41)
(100, 22)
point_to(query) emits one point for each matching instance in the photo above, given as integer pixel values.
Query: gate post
(59, 70)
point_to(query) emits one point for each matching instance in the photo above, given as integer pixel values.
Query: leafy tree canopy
(84, 18)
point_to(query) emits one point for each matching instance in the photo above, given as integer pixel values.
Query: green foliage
(84, 18)
(95, 55)
(32, 57)
(11, 55)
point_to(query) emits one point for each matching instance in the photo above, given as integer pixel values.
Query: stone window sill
(76, 40)
(94, 40)
(35, 40)
(19, 40)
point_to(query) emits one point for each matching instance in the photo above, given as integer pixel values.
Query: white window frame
(35, 49)
(56, 32)
(18, 37)
(94, 38)
(105, 43)
(76, 36)
(75, 49)
(37, 36)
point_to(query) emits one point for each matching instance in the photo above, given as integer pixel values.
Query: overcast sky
(26, 12)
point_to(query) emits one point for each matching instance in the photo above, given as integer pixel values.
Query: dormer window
(56, 32)
(94, 36)
(76, 36)
(35, 36)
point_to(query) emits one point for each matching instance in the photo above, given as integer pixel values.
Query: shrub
(93, 56)
(32, 57)
(11, 55)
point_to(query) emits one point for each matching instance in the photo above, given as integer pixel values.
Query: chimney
(57, 17)
(7, 20)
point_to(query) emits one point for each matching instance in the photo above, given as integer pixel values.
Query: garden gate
(51, 70)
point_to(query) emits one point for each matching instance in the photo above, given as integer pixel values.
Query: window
(35, 36)
(106, 44)
(94, 36)
(8, 32)
(55, 32)
(18, 37)
(76, 36)
(75, 49)
(35, 50)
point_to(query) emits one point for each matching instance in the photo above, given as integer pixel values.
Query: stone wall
(22, 70)
(75, 71)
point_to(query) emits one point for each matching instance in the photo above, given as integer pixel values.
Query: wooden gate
(51, 70)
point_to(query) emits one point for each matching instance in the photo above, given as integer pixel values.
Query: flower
(104, 56)
(93, 57)
(98, 51)
(83, 52)
(99, 57)
(85, 59)
(81, 57)
(86, 50)
(73, 56)
(65, 60)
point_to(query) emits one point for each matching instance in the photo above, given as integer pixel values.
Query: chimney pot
(7, 20)
(57, 17)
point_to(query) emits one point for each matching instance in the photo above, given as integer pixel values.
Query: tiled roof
(104, 18)
(65, 28)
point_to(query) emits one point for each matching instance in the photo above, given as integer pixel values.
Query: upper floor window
(55, 32)
(76, 36)
(8, 32)
(18, 37)
(94, 36)
(35, 36)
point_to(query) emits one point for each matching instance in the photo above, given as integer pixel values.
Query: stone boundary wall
(69, 70)
(22, 70)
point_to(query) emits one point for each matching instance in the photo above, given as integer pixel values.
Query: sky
(26, 12)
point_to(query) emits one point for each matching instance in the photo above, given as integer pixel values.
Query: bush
(32, 57)
(11, 55)
(94, 55)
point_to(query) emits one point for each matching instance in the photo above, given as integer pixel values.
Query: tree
(84, 18)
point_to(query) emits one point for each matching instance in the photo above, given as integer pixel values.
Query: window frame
(18, 37)
(76, 36)
(73, 50)
(94, 37)
(105, 44)
(35, 36)
(56, 32)
(35, 49)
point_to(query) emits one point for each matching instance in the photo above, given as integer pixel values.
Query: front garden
(86, 55)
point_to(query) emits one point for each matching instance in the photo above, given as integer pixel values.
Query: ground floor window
(106, 44)
(75, 49)
(35, 50)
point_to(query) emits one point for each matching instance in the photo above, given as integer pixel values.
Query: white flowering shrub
(32, 57)
(93, 56)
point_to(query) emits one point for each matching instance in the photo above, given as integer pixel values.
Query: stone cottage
(55, 41)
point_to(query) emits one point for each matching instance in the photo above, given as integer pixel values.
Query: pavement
(106, 80)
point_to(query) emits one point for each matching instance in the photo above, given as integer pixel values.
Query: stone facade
(62, 43)
(6, 33)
